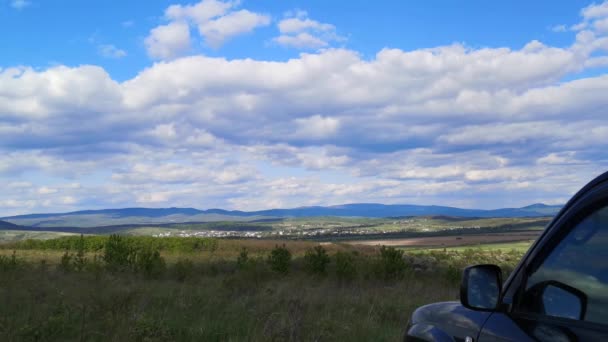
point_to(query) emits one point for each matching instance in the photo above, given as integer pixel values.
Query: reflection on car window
(579, 262)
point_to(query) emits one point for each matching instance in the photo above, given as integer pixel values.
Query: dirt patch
(451, 241)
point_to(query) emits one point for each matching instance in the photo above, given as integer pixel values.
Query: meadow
(101, 288)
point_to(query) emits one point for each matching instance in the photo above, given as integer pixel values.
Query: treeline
(98, 243)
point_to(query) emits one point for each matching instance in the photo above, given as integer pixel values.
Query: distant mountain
(107, 217)
(8, 225)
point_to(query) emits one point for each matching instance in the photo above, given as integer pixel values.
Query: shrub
(9, 263)
(345, 266)
(80, 260)
(66, 262)
(95, 266)
(99, 242)
(280, 259)
(183, 269)
(117, 253)
(316, 260)
(243, 259)
(391, 264)
(149, 263)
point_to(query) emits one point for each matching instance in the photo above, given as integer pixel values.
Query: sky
(258, 104)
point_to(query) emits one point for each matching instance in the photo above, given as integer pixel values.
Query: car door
(561, 292)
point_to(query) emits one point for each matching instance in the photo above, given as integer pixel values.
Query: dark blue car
(558, 292)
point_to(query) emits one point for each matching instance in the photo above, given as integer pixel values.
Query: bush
(80, 260)
(117, 253)
(95, 266)
(280, 259)
(316, 260)
(66, 262)
(149, 263)
(99, 242)
(391, 264)
(9, 263)
(345, 266)
(243, 259)
(183, 269)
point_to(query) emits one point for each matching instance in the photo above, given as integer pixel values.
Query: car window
(572, 282)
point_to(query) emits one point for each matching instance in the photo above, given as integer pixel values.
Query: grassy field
(16, 235)
(520, 246)
(216, 294)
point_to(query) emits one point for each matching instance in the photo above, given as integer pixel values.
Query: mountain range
(131, 216)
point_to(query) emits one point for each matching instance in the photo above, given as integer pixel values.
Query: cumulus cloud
(215, 21)
(299, 31)
(317, 126)
(217, 31)
(453, 124)
(302, 40)
(168, 41)
(595, 19)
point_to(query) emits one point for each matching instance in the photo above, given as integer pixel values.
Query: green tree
(280, 259)
(80, 260)
(117, 253)
(391, 264)
(316, 260)
(345, 266)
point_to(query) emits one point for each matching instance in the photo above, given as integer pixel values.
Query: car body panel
(451, 321)
(447, 321)
(504, 327)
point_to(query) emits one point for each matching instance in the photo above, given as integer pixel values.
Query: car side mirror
(560, 300)
(481, 287)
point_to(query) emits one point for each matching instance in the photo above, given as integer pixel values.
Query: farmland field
(218, 289)
(180, 282)
(463, 241)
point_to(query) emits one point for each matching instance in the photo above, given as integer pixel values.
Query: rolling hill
(140, 216)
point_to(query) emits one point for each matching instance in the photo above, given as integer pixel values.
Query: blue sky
(258, 104)
(71, 31)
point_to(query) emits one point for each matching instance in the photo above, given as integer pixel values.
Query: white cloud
(595, 19)
(302, 23)
(299, 31)
(317, 126)
(217, 31)
(111, 51)
(302, 40)
(560, 158)
(595, 11)
(68, 200)
(46, 190)
(168, 41)
(601, 25)
(491, 126)
(215, 21)
(200, 12)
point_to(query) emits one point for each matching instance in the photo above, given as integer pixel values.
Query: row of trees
(389, 265)
(97, 243)
(120, 255)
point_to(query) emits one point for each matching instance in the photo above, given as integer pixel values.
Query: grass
(214, 299)
(206, 308)
(521, 246)
(16, 235)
